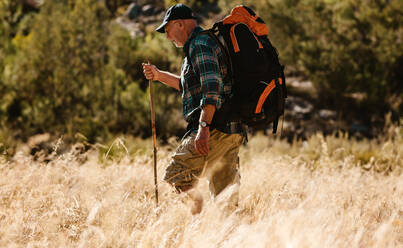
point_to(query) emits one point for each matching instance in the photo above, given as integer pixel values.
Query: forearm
(169, 79)
(207, 113)
(203, 134)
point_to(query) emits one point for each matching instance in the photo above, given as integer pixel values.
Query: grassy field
(324, 192)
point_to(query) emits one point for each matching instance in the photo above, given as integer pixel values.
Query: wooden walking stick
(150, 83)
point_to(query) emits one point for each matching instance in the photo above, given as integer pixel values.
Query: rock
(298, 107)
(327, 114)
(148, 10)
(38, 139)
(33, 3)
(45, 148)
(134, 28)
(78, 152)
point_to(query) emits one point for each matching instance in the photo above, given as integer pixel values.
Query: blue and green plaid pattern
(202, 77)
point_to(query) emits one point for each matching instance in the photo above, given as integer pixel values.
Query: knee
(179, 178)
(179, 186)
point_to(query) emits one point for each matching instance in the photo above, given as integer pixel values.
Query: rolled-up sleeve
(204, 60)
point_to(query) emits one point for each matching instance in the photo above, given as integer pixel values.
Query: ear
(181, 24)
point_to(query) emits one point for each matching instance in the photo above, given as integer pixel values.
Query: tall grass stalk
(317, 193)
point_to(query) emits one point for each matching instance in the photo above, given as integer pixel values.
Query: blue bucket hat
(176, 12)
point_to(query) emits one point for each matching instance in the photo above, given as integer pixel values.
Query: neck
(190, 25)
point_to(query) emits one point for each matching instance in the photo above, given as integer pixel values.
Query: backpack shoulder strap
(214, 33)
(240, 33)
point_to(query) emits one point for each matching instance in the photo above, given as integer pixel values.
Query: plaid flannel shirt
(202, 77)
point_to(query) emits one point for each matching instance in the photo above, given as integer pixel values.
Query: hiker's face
(175, 31)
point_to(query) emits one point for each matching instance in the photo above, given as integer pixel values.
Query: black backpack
(258, 82)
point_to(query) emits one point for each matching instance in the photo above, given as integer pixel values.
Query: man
(204, 89)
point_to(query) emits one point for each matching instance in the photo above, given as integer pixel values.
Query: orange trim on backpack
(258, 42)
(265, 94)
(233, 39)
(240, 14)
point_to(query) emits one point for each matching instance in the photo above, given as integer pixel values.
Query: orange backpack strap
(265, 94)
(234, 40)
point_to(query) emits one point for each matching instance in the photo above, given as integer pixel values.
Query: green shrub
(78, 71)
(344, 47)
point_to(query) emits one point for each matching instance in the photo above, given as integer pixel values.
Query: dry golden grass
(325, 192)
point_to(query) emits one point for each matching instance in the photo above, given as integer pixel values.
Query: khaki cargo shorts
(187, 165)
